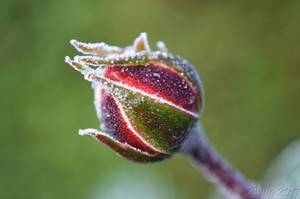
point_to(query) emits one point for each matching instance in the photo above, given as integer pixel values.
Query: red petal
(117, 125)
(156, 79)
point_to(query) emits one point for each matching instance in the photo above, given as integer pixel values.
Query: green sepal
(162, 126)
(130, 152)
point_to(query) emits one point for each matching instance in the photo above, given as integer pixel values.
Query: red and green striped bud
(147, 101)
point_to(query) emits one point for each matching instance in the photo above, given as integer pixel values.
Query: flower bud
(147, 101)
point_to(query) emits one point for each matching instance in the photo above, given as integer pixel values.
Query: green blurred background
(246, 52)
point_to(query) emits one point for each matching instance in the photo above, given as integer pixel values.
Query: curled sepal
(100, 49)
(141, 43)
(124, 149)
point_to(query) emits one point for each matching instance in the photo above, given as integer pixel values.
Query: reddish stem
(217, 168)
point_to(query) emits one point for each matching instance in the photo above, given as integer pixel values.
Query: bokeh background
(246, 52)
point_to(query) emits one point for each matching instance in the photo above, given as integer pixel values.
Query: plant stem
(216, 168)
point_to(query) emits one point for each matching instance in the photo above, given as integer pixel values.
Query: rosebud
(147, 101)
